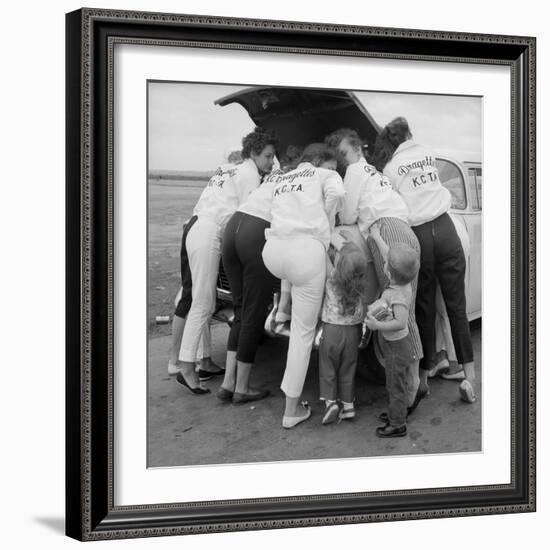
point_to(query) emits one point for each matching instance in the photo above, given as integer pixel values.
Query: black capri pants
(250, 281)
(184, 304)
(442, 259)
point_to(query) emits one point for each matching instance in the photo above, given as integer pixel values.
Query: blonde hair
(403, 263)
(349, 278)
(235, 157)
(317, 154)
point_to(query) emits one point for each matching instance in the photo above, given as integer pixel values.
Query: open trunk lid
(300, 116)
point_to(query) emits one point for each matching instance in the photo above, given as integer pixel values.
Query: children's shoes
(347, 413)
(391, 431)
(331, 414)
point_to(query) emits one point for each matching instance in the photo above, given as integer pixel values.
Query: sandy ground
(184, 429)
(170, 206)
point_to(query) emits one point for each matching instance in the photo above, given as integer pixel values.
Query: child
(342, 314)
(402, 264)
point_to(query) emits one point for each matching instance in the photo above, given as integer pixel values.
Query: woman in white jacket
(304, 204)
(413, 174)
(226, 191)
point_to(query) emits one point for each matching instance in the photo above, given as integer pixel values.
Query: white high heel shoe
(291, 421)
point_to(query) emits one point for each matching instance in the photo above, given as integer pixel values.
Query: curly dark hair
(257, 141)
(398, 131)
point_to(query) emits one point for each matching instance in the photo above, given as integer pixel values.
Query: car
(300, 116)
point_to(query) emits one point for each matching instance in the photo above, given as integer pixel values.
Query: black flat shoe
(241, 398)
(205, 375)
(197, 391)
(391, 431)
(224, 395)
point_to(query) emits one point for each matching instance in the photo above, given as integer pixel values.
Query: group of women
(269, 225)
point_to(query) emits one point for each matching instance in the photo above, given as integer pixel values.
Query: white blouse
(259, 201)
(304, 203)
(369, 197)
(228, 189)
(413, 174)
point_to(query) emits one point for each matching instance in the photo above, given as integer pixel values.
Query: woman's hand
(336, 239)
(377, 238)
(347, 236)
(375, 231)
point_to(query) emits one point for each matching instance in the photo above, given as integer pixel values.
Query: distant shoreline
(187, 183)
(184, 175)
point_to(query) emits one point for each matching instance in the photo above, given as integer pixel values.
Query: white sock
(347, 406)
(329, 402)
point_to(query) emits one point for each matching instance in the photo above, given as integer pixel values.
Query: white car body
(466, 187)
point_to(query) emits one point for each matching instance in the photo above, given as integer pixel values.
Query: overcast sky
(188, 132)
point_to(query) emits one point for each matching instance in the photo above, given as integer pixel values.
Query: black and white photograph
(314, 281)
(276, 264)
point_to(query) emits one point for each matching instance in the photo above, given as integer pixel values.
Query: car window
(475, 182)
(451, 177)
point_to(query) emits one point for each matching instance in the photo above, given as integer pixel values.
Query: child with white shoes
(342, 315)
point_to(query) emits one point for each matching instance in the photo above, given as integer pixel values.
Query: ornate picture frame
(92, 35)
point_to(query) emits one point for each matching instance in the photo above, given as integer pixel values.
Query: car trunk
(300, 116)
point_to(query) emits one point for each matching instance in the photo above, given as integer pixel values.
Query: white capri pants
(301, 261)
(204, 251)
(205, 344)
